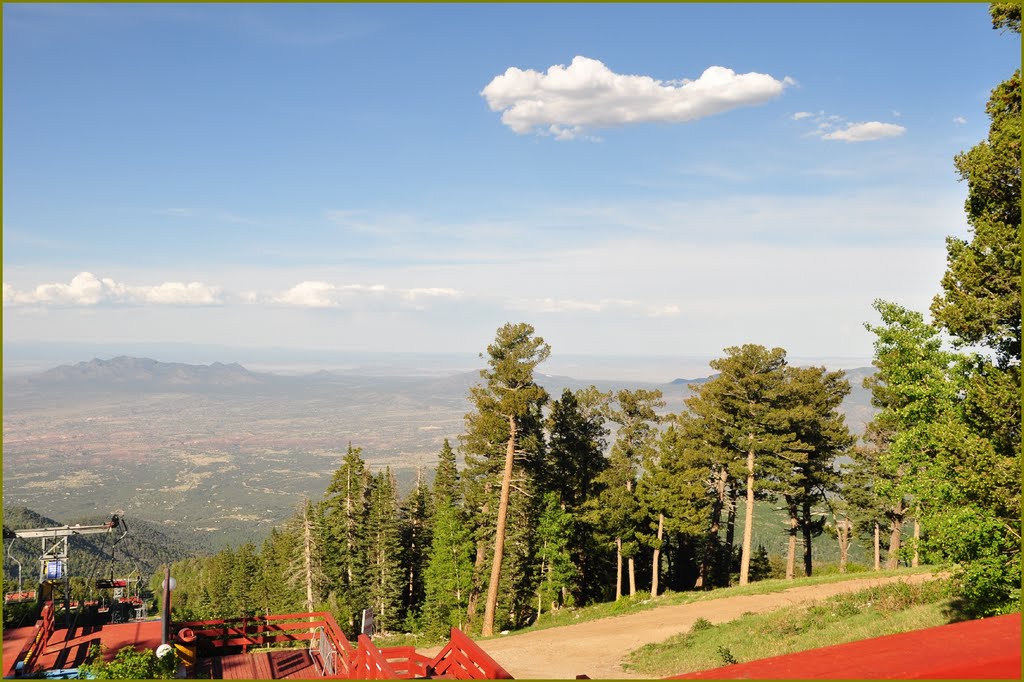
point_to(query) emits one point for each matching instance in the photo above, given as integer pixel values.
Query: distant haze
(21, 358)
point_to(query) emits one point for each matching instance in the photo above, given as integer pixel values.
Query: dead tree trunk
(499, 535)
(712, 548)
(808, 529)
(917, 538)
(793, 526)
(878, 553)
(843, 534)
(618, 569)
(307, 556)
(895, 531)
(656, 563)
(748, 529)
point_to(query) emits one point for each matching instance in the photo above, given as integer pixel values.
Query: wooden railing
(406, 662)
(212, 635)
(35, 646)
(335, 657)
(463, 659)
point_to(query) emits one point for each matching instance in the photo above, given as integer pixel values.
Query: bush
(130, 664)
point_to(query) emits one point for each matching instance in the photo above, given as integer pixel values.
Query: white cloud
(309, 295)
(865, 132)
(374, 296)
(565, 101)
(835, 127)
(85, 289)
(959, 120)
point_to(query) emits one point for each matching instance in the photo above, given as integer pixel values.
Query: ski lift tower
(53, 561)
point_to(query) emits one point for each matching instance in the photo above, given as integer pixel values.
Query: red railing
(35, 646)
(463, 659)
(263, 630)
(368, 663)
(335, 657)
(406, 662)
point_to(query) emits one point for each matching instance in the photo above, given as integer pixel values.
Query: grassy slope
(642, 600)
(875, 612)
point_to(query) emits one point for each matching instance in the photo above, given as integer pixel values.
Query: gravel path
(597, 648)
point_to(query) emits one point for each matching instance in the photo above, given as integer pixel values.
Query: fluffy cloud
(308, 295)
(85, 289)
(326, 295)
(833, 127)
(865, 132)
(959, 120)
(565, 101)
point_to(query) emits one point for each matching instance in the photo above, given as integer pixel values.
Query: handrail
(463, 659)
(369, 663)
(44, 628)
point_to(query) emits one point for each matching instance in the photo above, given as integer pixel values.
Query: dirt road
(596, 648)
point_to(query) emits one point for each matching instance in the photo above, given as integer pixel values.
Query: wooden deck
(68, 648)
(275, 665)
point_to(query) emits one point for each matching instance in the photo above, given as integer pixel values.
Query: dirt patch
(596, 648)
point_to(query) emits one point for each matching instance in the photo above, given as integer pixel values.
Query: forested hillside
(145, 547)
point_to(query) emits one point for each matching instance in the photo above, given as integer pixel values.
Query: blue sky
(641, 180)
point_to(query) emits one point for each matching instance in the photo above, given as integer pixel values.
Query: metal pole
(165, 630)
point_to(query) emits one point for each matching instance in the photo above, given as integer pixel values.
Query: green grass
(642, 600)
(878, 611)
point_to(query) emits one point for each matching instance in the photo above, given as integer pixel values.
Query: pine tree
(743, 413)
(345, 511)
(635, 413)
(417, 527)
(385, 576)
(506, 423)
(558, 573)
(449, 572)
(978, 526)
(446, 488)
(577, 439)
(674, 491)
(807, 474)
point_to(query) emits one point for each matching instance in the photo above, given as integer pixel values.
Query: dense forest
(590, 496)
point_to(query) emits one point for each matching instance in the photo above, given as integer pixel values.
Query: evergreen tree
(674, 491)
(385, 576)
(634, 412)
(558, 573)
(446, 488)
(808, 474)
(506, 424)
(345, 510)
(743, 413)
(449, 572)
(575, 457)
(980, 306)
(417, 525)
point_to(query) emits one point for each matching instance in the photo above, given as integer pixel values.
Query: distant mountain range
(128, 370)
(221, 453)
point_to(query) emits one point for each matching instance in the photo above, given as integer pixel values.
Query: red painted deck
(275, 665)
(68, 649)
(978, 649)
